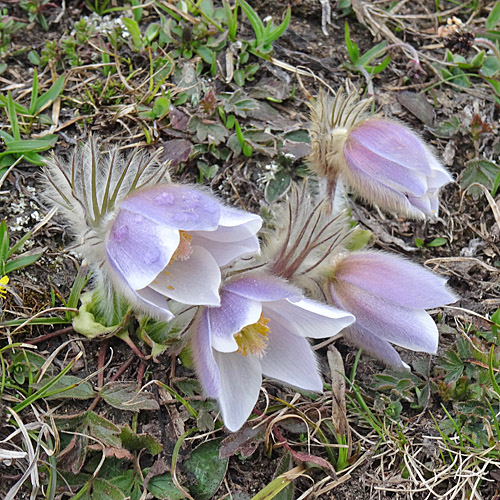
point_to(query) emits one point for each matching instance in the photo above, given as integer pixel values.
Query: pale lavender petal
(154, 302)
(224, 252)
(203, 358)
(376, 346)
(394, 142)
(175, 206)
(423, 203)
(290, 359)
(439, 175)
(195, 280)
(394, 278)
(403, 326)
(365, 162)
(308, 318)
(235, 225)
(263, 287)
(241, 378)
(232, 316)
(140, 248)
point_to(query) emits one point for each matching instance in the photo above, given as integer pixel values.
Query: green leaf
(481, 171)
(20, 262)
(437, 242)
(419, 243)
(34, 58)
(85, 323)
(34, 93)
(358, 240)
(14, 124)
(125, 396)
(281, 28)
(152, 32)
(81, 389)
(367, 57)
(452, 365)
(491, 66)
(163, 487)
(89, 422)
(138, 442)
(104, 490)
(494, 17)
(277, 187)
(18, 146)
(257, 25)
(352, 48)
(50, 96)
(4, 242)
(135, 32)
(208, 469)
(447, 129)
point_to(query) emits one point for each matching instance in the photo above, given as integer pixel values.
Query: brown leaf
(112, 452)
(72, 457)
(305, 457)
(244, 441)
(418, 105)
(339, 411)
(176, 151)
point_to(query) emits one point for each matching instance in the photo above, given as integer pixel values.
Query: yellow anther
(184, 250)
(253, 338)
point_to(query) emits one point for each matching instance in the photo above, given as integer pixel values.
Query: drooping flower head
(259, 329)
(152, 239)
(382, 160)
(389, 297)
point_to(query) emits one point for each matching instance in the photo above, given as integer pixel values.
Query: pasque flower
(153, 240)
(388, 295)
(259, 329)
(382, 160)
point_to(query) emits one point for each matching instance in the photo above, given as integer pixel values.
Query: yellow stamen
(184, 250)
(253, 338)
(3, 286)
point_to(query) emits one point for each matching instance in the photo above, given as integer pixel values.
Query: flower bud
(383, 161)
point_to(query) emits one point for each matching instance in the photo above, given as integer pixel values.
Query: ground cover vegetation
(109, 403)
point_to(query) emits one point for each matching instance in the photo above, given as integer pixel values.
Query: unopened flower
(260, 328)
(388, 295)
(383, 161)
(152, 239)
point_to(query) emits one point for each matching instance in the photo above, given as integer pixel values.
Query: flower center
(253, 338)
(184, 250)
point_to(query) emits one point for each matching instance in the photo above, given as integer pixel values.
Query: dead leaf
(417, 105)
(119, 453)
(339, 410)
(244, 441)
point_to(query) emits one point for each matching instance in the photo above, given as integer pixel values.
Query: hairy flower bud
(383, 161)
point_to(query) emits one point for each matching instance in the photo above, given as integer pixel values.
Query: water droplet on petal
(164, 199)
(120, 233)
(151, 256)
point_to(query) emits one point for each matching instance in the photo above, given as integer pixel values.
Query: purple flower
(145, 237)
(169, 241)
(383, 161)
(259, 329)
(387, 164)
(388, 295)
